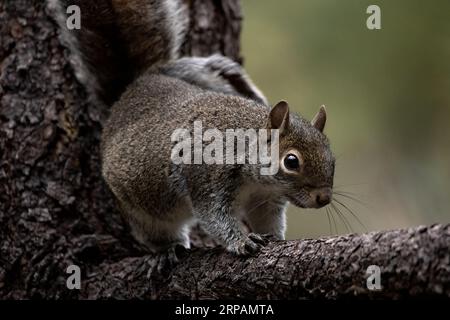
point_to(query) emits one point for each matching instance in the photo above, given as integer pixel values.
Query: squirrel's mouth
(296, 202)
(315, 198)
(301, 200)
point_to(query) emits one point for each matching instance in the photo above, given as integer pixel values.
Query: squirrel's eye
(291, 162)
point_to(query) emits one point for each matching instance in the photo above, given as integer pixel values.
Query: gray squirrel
(135, 44)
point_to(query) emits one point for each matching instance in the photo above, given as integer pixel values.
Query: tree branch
(413, 263)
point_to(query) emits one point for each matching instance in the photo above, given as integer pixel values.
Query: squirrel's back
(155, 106)
(150, 98)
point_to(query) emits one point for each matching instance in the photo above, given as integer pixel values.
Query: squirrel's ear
(320, 119)
(279, 116)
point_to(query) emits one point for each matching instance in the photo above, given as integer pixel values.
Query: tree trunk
(55, 210)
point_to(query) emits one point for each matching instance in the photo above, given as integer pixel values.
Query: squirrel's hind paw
(162, 263)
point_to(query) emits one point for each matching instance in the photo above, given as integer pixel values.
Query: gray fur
(130, 49)
(216, 73)
(119, 40)
(58, 10)
(153, 190)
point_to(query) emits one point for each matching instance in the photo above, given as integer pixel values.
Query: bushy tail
(119, 39)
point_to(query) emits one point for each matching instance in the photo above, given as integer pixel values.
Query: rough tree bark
(55, 209)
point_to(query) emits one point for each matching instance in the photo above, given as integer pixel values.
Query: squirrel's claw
(163, 262)
(249, 245)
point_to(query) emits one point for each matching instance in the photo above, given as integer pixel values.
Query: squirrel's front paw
(249, 245)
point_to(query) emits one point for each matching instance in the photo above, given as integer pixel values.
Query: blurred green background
(387, 94)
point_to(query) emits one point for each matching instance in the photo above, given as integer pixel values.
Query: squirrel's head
(306, 163)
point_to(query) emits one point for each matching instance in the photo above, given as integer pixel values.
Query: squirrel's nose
(322, 196)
